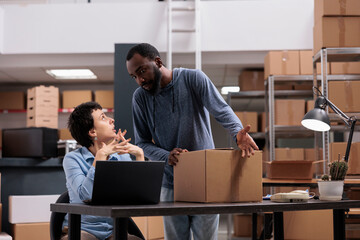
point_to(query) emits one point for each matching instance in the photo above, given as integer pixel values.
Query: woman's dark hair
(81, 122)
(145, 50)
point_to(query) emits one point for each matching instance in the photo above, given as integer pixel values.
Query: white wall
(94, 28)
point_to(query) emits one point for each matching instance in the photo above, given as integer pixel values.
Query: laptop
(127, 182)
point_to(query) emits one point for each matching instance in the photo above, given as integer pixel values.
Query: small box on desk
(301, 169)
(217, 175)
(30, 142)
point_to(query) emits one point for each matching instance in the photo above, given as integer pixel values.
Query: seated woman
(91, 128)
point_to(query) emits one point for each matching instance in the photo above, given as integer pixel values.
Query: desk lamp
(318, 120)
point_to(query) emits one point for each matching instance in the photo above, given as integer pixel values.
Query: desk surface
(185, 208)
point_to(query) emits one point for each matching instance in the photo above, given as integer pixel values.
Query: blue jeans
(203, 227)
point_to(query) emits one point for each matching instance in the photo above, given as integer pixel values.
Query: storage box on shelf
(42, 107)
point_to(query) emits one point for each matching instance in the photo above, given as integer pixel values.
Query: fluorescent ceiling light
(71, 74)
(225, 90)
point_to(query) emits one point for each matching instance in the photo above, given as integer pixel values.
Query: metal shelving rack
(270, 94)
(324, 56)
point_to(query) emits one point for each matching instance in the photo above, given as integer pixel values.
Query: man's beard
(155, 89)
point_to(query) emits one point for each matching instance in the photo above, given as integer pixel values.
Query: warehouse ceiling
(223, 68)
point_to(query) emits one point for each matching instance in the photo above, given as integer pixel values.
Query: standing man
(171, 115)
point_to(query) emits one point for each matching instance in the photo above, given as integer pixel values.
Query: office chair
(57, 219)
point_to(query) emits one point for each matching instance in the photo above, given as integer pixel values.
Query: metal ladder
(196, 31)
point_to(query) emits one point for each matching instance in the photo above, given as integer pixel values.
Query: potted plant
(332, 187)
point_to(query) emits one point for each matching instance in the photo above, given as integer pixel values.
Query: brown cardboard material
(300, 169)
(64, 134)
(151, 227)
(310, 105)
(105, 98)
(31, 231)
(42, 121)
(243, 225)
(354, 158)
(251, 80)
(262, 121)
(289, 154)
(289, 112)
(341, 68)
(282, 63)
(309, 225)
(345, 95)
(12, 100)
(248, 118)
(306, 62)
(336, 8)
(71, 99)
(217, 175)
(336, 32)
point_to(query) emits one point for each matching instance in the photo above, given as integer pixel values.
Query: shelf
(61, 110)
(257, 135)
(292, 131)
(30, 162)
(339, 55)
(246, 94)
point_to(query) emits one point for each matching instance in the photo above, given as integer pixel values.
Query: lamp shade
(316, 120)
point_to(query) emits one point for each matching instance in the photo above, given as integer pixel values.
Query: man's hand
(245, 142)
(173, 155)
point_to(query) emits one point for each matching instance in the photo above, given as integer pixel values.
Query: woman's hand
(113, 147)
(132, 149)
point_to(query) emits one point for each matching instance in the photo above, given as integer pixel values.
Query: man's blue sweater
(178, 117)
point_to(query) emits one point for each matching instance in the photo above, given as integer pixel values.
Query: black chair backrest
(57, 219)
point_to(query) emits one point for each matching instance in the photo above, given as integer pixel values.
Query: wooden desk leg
(278, 226)
(74, 226)
(254, 226)
(120, 228)
(339, 224)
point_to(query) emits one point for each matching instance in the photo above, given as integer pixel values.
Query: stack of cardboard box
(337, 24)
(42, 107)
(30, 216)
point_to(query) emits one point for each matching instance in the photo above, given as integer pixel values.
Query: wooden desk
(121, 213)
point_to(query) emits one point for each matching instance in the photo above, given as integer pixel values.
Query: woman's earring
(95, 138)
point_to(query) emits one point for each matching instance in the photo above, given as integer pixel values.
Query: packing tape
(342, 4)
(341, 25)
(349, 100)
(284, 59)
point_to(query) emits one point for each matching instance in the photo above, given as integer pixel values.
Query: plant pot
(331, 190)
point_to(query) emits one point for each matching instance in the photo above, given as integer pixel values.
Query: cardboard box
(306, 64)
(64, 134)
(31, 231)
(251, 80)
(308, 225)
(42, 121)
(282, 63)
(243, 225)
(354, 158)
(151, 227)
(262, 121)
(336, 32)
(248, 118)
(341, 68)
(336, 8)
(289, 112)
(71, 99)
(310, 154)
(43, 96)
(300, 169)
(12, 100)
(289, 154)
(310, 105)
(105, 98)
(217, 175)
(345, 95)
(30, 208)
